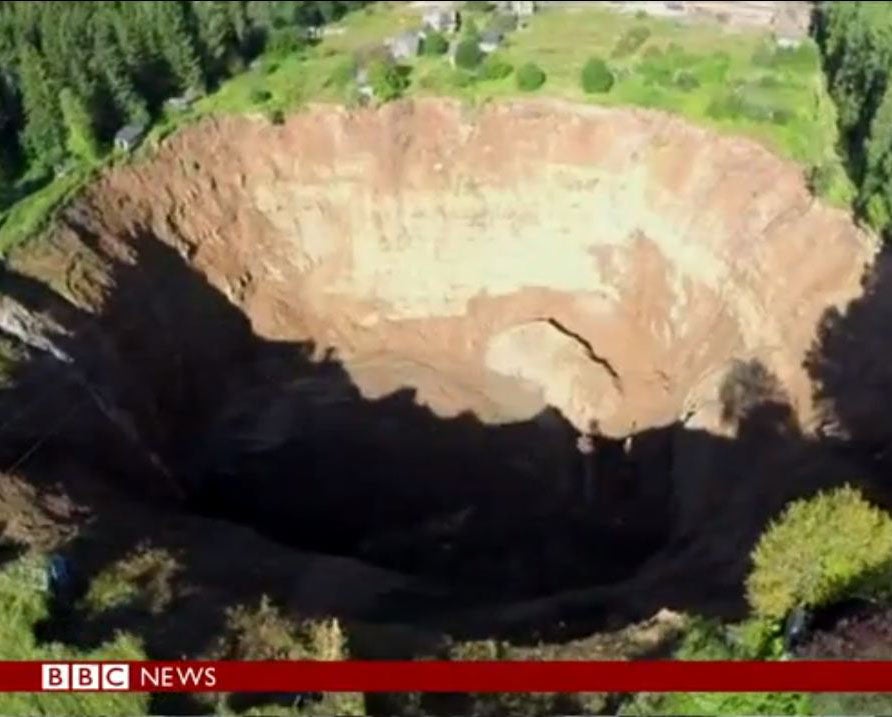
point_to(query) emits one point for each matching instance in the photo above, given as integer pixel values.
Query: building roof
(130, 132)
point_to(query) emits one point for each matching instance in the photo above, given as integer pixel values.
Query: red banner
(430, 676)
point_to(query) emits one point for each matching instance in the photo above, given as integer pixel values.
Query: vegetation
(435, 44)
(631, 40)
(468, 54)
(854, 38)
(24, 602)
(596, 76)
(74, 73)
(261, 632)
(387, 79)
(819, 551)
(494, 68)
(143, 577)
(530, 77)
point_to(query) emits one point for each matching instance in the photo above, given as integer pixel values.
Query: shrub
(876, 210)
(829, 181)
(495, 69)
(630, 41)
(387, 79)
(342, 74)
(435, 44)
(479, 6)
(819, 551)
(470, 31)
(285, 41)
(468, 55)
(596, 76)
(258, 96)
(530, 77)
(686, 81)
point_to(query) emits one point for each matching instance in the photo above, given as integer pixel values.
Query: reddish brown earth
(244, 302)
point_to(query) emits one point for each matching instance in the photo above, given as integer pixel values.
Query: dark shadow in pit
(172, 415)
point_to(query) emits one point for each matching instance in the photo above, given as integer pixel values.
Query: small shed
(442, 20)
(490, 41)
(405, 45)
(129, 136)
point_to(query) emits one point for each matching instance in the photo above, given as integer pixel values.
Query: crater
(381, 333)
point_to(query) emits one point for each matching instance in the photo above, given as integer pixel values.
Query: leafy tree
(468, 54)
(596, 76)
(530, 77)
(821, 550)
(82, 140)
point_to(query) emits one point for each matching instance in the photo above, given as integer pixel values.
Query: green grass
(23, 603)
(32, 214)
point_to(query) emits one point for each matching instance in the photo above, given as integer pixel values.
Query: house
(520, 8)
(490, 41)
(129, 136)
(439, 20)
(310, 32)
(405, 45)
(183, 102)
(363, 85)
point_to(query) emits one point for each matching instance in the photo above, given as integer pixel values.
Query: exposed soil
(377, 334)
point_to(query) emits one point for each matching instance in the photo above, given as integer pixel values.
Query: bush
(387, 80)
(631, 40)
(530, 77)
(495, 69)
(468, 55)
(821, 550)
(285, 41)
(828, 180)
(686, 81)
(471, 31)
(435, 44)
(596, 76)
(258, 96)
(342, 75)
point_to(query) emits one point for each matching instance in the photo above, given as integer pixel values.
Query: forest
(73, 73)
(856, 43)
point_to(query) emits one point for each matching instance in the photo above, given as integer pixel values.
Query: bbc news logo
(111, 676)
(85, 676)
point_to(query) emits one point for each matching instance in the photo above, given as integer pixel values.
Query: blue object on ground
(59, 573)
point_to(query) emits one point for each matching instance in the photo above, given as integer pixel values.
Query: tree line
(856, 44)
(73, 73)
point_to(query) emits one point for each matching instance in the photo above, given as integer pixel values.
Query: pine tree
(129, 105)
(44, 133)
(177, 46)
(82, 140)
(216, 33)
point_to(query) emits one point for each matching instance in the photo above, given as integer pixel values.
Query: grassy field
(736, 83)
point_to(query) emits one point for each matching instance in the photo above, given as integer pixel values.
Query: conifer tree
(81, 139)
(43, 135)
